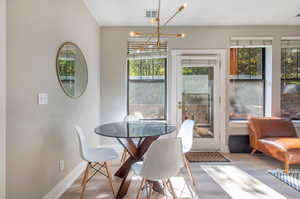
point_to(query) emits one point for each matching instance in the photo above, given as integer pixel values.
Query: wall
(113, 62)
(38, 136)
(2, 95)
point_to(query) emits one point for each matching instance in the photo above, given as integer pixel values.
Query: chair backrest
(82, 142)
(271, 127)
(132, 118)
(163, 160)
(186, 134)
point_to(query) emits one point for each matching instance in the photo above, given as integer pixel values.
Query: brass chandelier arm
(159, 27)
(170, 19)
(151, 35)
(158, 24)
(174, 15)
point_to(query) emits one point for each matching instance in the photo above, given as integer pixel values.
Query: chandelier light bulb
(182, 7)
(132, 34)
(153, 21)
(181, 35)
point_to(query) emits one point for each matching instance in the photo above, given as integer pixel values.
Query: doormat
(292, 178)
(206, 157)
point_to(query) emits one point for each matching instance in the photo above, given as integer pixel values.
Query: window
(247, 82)
(290, 80)
(147, 78)
(147, 87)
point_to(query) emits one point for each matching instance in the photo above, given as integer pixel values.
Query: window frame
(263, 79)
(166, 91)
(283, 72)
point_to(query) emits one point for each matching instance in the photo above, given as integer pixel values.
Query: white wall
(2, 95)
(38, 136)
(113, 63)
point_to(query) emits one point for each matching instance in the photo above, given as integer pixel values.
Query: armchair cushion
(282, 148)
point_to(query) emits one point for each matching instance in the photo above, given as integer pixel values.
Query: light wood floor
(206, 187)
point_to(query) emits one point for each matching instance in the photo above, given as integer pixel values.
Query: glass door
(197, 99)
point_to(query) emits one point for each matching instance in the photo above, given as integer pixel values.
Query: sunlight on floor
(238, 184)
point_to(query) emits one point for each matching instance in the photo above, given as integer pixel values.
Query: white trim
(65, 183)
(297, 38)
(3, 66)
(251, 46)
(238, 124)
(244, 124)
(221, 53)
(252, 38)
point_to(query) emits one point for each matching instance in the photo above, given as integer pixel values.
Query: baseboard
(65, 183)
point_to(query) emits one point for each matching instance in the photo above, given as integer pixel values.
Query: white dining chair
(97, 161)
(130, 118)
(162, 161)
(186, 134)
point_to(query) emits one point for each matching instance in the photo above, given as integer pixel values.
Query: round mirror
(71, 69)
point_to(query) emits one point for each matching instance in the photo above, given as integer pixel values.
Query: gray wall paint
(2, 95)
(113, 62)
(38, 136)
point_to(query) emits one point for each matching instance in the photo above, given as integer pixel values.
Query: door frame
(2, 98)
(221, 53)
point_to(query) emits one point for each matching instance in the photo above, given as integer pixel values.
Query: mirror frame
(57, 69)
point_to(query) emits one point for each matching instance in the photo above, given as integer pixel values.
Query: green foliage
(66, 67)
(250, 61)
(194, 71)
(289, 63)
(147, 67)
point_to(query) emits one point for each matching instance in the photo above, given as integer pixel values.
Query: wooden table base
(136, 152)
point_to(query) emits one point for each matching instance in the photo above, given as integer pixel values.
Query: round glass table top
(136, 129)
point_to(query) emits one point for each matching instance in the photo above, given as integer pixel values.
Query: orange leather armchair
(276, 137)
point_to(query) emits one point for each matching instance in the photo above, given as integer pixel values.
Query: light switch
(43, 98)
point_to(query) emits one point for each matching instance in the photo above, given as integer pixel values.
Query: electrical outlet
(61, 165)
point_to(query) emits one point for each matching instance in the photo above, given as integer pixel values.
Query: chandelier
(159, 25)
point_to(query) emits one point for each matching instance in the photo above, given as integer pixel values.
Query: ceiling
(198, 12)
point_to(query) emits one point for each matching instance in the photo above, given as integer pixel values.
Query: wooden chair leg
(149, 194)
(166, 188)
(187, 166)
(138, 196)
(253, 151)
(124, 156)
(171, 188)
(109, 178)
(85, 174)
(286, 167)
(84, 180)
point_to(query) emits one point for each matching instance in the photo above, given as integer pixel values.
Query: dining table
(136, 138)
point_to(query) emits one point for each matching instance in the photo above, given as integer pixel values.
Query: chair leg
(109, 177)
(84, 180)
(124, 156)
(138, 196)
(171, 188)
(149, 194)
(286, 167)
(85, 174)
(187, 166)
(253, 151)
(166, 188)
